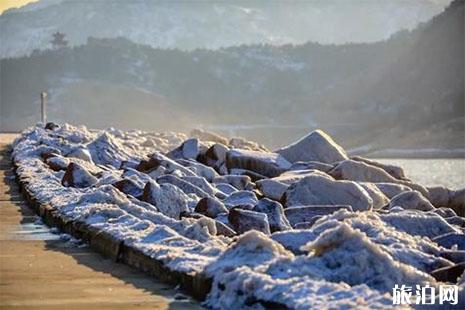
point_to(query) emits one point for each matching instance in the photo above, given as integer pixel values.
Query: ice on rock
(168, 199)
(157, 159)
(240, 198)
(201, 183)
(316, 146)
(301, 214)
(251, 249)
(199, 169)
(275, 213)
(266, 164)
(57, 163)
(348, 255)
(185, 186)
(81, 153)
(77, 176)
(321, 190)
(107, 150)
(245, 220)
(293, 240)
(411, 200)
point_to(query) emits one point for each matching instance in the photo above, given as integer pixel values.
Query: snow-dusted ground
(343, 259)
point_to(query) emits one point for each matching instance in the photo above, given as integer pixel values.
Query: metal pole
(43, 107)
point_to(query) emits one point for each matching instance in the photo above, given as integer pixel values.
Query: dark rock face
(51, 126)
(300, 214)
(275, 213)
(224, 230)
(189, 149)
(451, 239)
(449, 274)
(316, 146)
(411, 200)
(210, 207)
(245, 220)
(266, 164)
(77, 176)
(129, 187)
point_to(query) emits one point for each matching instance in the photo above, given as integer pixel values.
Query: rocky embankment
(305, 225)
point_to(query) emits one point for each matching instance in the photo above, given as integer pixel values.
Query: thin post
(43, 107)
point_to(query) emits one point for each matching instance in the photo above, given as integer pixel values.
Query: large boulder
(215, 157)
(450, 240)
(199, 169)
(264, 163)
(301, 214)
(189, 149)
(359, 171)
(81, 153)
(411, 200)
(395, 171)
(245, 220)
(275, 212)
(77, 176)
(272, 189)
(316, 146)
(57, 162)
(379, 199)
(169, 199)
(321, 190)
(201, 183)
(392, 189)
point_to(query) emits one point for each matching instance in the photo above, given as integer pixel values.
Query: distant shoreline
(417, 153)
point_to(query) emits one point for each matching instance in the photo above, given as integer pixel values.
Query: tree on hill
(59, 40)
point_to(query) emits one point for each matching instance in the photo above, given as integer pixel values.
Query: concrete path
(43, 270)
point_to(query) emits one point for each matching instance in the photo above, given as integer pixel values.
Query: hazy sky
(8, 4)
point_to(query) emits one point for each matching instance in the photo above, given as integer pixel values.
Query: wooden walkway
(41, 270)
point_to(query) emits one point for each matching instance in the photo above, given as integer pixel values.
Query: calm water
(431, 172)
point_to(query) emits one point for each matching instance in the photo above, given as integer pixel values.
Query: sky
(8, 4)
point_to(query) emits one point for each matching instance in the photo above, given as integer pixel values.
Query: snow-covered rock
(300, 214)
(168, 199)
(379, 199)
(450, 240)
(183, 185)
(210, 207)
(189, 149)
(395, 171)
(275, 213)
(316, 146)
(392, 189)
(320, 190)
(272, 189)
(267, 164)
(78, 176)
(240, 182)
(245, 220)
(311, 165)
(81, 153)
(129, 187)
(411, 200)
(241, 198)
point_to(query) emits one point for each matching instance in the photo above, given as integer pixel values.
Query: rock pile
(242, 186)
